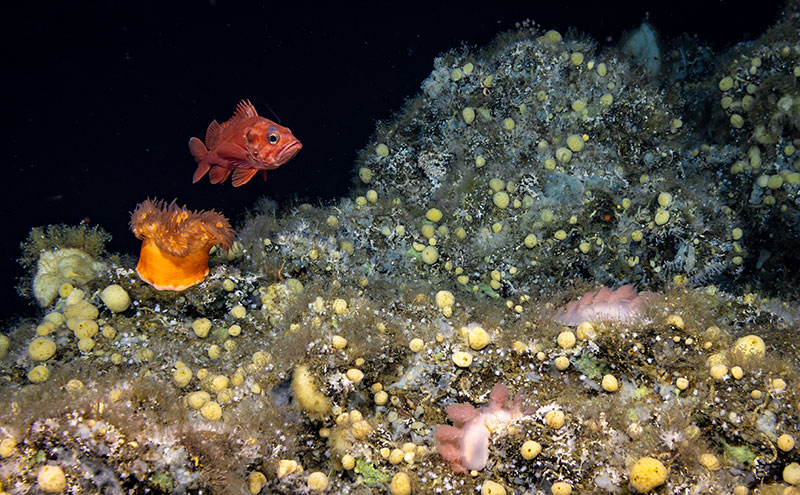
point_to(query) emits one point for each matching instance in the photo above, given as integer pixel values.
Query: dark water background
(102, 97)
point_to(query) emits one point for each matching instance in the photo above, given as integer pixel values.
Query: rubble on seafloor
(326, 346)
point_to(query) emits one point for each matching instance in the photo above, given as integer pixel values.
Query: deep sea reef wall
(329, 343)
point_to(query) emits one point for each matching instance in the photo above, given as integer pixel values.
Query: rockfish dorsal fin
(212, 133)
(245, 109)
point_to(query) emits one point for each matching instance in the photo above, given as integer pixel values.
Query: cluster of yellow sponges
(80, 316)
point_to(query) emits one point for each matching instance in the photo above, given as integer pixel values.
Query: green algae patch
(591, 366)
(372, 476)
(742, 454)
(487, 290)
(163, 481)
(641, 392)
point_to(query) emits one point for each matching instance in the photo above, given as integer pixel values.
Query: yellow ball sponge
(501, 199)
(256, 481)
(444, 299)
(750, 347)
(430, 255)
(39, 374)
(434, 214)
(51, 479)
(647, 474)
(317, 481)
(8, 447)
(478, 337)
(182, 376)
(115, 298)
(575, 143)
(41, 349)
(198, 399)
(400, 485)
(211, 410)
(661, 217)
(201, 327)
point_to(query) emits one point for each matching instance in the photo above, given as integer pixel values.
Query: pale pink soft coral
(604, 304)
(466, 445)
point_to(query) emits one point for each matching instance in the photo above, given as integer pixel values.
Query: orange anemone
(176, 242)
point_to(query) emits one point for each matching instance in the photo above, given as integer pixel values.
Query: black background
(101, 98)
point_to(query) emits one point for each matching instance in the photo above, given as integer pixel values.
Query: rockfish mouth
(288, 152)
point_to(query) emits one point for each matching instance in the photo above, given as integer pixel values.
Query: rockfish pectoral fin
(243, 175)
(233, 154)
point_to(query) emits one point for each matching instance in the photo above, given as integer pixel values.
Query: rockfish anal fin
(219, 174)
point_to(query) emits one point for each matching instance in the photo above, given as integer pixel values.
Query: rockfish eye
(274, 138)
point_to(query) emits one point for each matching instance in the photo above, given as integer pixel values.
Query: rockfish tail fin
(199, 152)
(198, 149)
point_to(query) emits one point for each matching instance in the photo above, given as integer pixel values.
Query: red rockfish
(244, 144)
